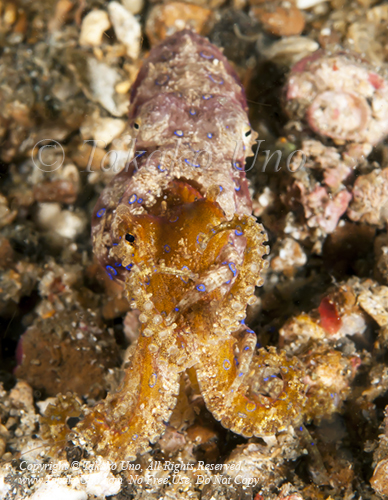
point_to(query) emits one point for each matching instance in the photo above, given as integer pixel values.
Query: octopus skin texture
(175, 227)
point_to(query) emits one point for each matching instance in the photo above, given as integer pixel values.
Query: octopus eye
(130, 238)
(248, 133)
(136, 126)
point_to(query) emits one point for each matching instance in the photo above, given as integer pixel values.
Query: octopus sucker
(178, 233)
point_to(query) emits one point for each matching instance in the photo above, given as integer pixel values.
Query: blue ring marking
(253, 409)
(185, 267)
(238, 166)
(232, 267)
(238, 231)
(174, 220)
(114, 244)
(226, 364)
(142, 153)
(227, 282)
(110, 270)
(162, 79)
(140, 200)
(153, 379)
(167, 248)
(237, 188)
(134, 437)
(161, 169)
(192, 112)
(206, 97)
(250, 331)
(209, 135)
(132, 199)
(191, 164)
(129, 267)
(220, 80)
(101, 212)
(179, 133)
(118, 264)
(246, 348)
(201, 288)
(206, 55)
(199, 236)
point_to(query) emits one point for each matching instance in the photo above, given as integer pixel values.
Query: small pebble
(133, 6)
(93, 27)
(127, 28)
(102, 130)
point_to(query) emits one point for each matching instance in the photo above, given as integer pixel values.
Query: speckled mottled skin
(178, 232)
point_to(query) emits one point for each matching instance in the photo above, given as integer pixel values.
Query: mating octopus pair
(175, 227)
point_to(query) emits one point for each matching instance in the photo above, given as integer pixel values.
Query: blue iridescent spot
(250, 331)
(153, 379)
(167, 249)
(192, 112)
(221, 188)
(226, 364)
(111, 271)
(114, 244)
(246, 348)
(176, 309)
(206, 97)
(179, 133)
(129, 267)
(101, 212)
(173, 219)
(250, 406)
(206, 55)
(301, 429)
(132, 199)
(240, 374)
(266, 379)
(185, 267)
(232, 267)
(237, 188)
(140, 200)
(161, 169)
(134, 437)
(162, 79)
(118, 264)
(216, 79)
(237, 165)
(209, 135)
(201, 288)
(238, 231)
(192, 164)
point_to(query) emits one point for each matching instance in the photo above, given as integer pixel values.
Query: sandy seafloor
(66, 69)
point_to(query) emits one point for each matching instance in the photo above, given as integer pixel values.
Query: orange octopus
(175, 227)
